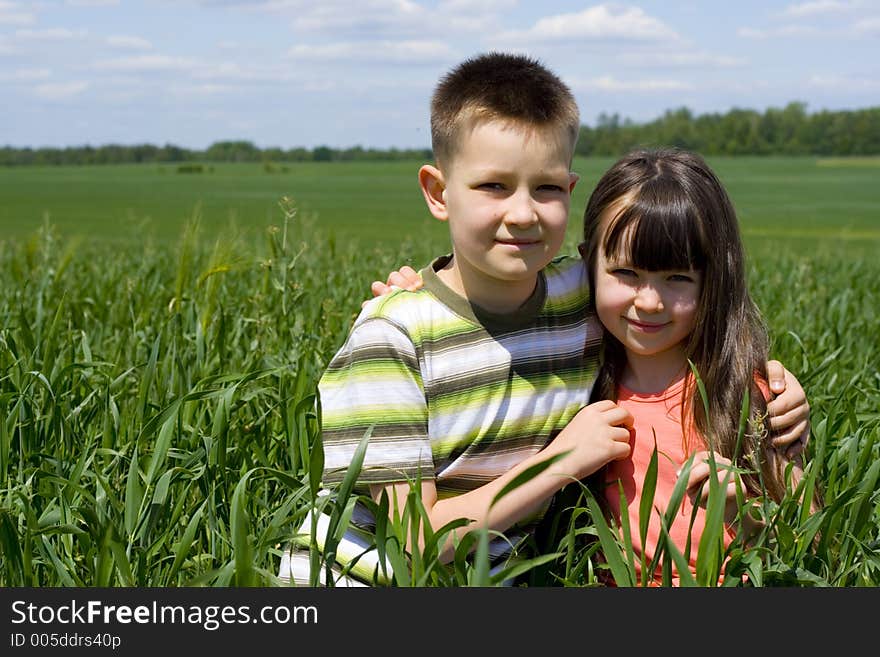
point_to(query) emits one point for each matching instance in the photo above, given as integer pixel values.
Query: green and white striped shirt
(454, 393)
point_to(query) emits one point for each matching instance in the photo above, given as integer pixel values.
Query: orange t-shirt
(657, 414)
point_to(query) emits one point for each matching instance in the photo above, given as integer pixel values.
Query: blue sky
(344, 73)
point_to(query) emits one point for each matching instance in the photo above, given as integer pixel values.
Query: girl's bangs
(657, 234)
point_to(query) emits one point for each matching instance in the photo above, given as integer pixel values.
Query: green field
(158, 375)
(778, 199)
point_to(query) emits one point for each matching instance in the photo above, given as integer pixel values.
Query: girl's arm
(698, 488)
(778, 461)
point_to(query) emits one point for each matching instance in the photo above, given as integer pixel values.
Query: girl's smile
(647, 327)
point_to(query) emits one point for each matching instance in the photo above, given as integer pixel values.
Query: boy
(480, 374)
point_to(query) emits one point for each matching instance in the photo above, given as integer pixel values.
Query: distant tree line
(787, 131)
(222, 151)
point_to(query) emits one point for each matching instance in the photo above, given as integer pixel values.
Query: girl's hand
(698, 482)
(598, 434)
(405, 278)
(789, 411)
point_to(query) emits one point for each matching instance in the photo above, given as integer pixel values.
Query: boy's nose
(521, 210)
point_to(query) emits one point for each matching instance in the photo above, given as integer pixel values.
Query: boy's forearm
(597, 434)
(476, 505)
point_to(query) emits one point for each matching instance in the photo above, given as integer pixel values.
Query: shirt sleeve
(374, 384)
(763, 386)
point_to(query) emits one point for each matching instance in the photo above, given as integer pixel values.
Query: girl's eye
(681, 278)
(625, 273)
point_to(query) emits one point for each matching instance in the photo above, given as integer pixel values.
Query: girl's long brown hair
(679, 216)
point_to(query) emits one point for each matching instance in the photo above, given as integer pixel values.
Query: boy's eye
(492, 186)
(550, 188)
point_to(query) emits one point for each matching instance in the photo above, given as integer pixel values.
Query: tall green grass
(158, 423)
(156, 405)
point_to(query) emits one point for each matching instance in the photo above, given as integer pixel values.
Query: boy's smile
(506, 194)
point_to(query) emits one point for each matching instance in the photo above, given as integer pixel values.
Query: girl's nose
(649, 299)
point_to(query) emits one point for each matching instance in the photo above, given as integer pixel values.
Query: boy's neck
(501, 297)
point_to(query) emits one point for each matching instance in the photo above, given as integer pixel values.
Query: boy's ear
(572, 181)
(433, 187)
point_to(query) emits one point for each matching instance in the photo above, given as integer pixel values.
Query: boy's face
(507, 195)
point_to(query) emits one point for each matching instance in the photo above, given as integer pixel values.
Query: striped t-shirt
(454, 393)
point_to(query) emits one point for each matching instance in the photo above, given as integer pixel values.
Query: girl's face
(651, 313)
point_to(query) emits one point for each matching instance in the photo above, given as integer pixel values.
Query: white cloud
(477, 6)
(262, 5)
(5, 47)
(234, 72)
(12, 13)
(609, 83)
(26, 75)
(377, 19)
(60, 90)
(786, 31)
(367, 17)
(802, 9)
(91, 3)
(385, 51)
(681, 60)
(843, 83)
(869, 25)
(602, 22)
(146, 63)
(207, 89)
(50, 34)
(320, 86)
(126, 42)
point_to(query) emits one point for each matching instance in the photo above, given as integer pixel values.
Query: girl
(668, 283)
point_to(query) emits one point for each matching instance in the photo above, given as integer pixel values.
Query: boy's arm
(373, 385)
(789, 410)
(596, 435)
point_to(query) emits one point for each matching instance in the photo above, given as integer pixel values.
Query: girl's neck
(654, 373)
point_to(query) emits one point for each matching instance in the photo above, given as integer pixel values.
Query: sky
(301, 73)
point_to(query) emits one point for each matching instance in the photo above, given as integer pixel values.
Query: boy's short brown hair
(499, 86)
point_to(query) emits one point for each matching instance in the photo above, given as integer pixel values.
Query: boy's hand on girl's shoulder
(789, 411)
(405, 278)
